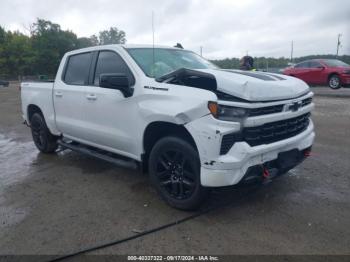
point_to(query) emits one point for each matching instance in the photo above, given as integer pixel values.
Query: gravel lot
(57, 204)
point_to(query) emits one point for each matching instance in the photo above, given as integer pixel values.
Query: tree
(85, 42)
(2, 35)
(112, 36)
(50, 43)
(41, 52)
(94, 40)
(17, 56)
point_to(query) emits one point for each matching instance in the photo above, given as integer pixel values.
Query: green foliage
(16, 54)
(2, 35)
(41, 52)
(111, 36)
(83, 42)
(50, 43)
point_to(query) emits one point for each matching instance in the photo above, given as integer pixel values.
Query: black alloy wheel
(43, 139)
(175, 172)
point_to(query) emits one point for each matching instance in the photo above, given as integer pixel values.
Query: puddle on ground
(16, 159)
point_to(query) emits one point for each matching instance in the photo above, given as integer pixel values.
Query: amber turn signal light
(213, 108)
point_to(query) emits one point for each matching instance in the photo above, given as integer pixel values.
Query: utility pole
(338, 44)
(291, 52)
(201, 50)
(153, 56)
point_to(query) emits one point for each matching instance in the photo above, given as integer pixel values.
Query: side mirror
(116, 81)
(321, 67)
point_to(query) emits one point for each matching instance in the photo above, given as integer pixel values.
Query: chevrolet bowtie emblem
(295, 106)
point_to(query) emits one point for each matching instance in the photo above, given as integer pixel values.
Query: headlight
(227, 113)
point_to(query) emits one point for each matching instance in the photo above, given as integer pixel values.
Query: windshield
(167, 60)
(335, 63)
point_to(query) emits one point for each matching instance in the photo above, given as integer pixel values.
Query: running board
(101, 154)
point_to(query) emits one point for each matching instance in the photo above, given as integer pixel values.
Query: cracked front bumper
(229, 169)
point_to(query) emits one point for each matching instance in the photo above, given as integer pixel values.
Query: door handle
(58, 94)
(91, 97)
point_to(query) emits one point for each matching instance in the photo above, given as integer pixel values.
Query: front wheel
(174, 169)
(42, 137)
(334, 82)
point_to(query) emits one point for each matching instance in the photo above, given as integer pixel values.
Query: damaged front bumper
(235, 166)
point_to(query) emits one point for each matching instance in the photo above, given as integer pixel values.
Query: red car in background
(332, 72)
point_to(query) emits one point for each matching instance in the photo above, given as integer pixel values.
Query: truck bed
(40, 95)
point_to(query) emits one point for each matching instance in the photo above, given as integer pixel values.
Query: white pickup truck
(186, 122)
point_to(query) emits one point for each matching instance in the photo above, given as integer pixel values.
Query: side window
(302, 65)
(109, 62)
(314, 64)
(77, 69)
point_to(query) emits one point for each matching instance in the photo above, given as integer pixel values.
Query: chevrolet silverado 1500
(188, 123)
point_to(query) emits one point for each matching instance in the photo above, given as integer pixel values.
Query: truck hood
(257, 86)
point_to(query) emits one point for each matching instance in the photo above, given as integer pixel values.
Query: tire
(43, 139)
(174, 170)
(334, 82)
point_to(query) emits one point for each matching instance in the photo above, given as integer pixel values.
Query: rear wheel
(42, 137)
(334, 82)
(174, 169)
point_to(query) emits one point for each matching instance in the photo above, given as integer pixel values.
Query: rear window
(335, 63)
(77, 69)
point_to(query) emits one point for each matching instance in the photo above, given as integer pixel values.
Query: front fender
(180, 105)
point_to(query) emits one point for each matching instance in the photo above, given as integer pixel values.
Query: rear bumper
(231, 168)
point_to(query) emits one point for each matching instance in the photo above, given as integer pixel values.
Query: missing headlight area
(192, 78)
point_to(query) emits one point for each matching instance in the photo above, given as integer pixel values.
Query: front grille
(306, 101)
(274, 109)
(267, 133)
(265, 110)
(275, 131)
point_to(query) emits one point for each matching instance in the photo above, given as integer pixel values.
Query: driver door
(315, 74)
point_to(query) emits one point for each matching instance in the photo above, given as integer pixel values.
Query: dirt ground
(58, 204)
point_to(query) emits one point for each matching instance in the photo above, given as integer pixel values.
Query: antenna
(291, 52)
(153, 39)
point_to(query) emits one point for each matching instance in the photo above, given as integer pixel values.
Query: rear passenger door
(108, 114)
(69, 94)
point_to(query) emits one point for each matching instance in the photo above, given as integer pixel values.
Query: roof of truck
(129, 46)
(148, 46)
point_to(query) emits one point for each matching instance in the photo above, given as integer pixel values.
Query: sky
(224, 28)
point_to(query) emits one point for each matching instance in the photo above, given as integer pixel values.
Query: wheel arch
(332, 74)
(159, 129)
(31, 110)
